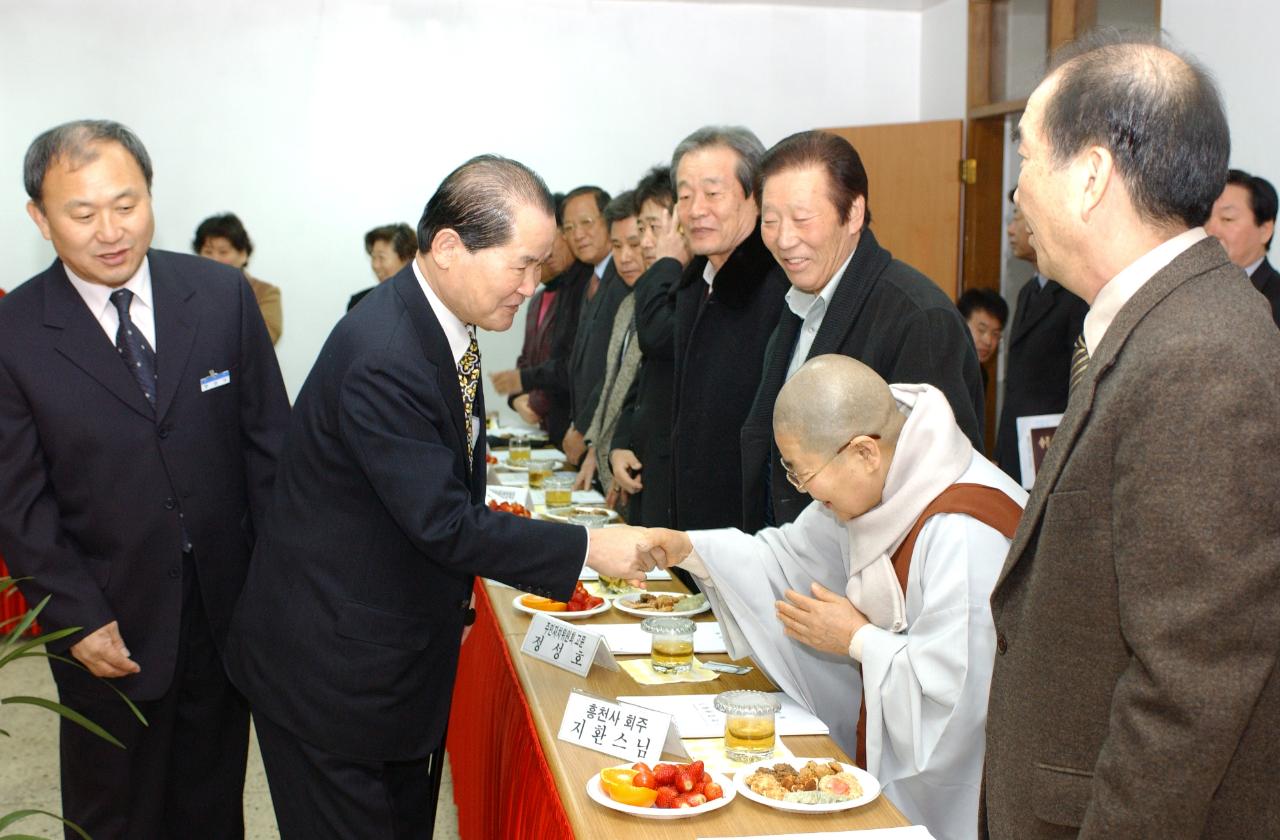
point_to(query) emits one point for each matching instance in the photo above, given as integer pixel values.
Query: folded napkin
(641, 670)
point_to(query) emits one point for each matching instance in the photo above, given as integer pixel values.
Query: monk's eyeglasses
(801, 485)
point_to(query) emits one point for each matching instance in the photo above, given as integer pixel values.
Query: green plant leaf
(15, 816)
(27, 621)
(9, 818)
(17, 652)
(69, 661)
(70, 714)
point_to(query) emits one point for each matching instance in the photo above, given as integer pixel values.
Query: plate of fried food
(663, 792)
(581, 605)
(671, 604)
(807, 785)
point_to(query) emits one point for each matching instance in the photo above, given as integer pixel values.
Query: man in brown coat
(1135, 692)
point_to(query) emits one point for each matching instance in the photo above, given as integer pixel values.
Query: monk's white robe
(926, 688)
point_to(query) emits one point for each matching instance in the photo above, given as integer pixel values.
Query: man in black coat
(346, 638)
(1047, 320)
(726, 304)
(848, 296)
(641, 456)
(141, 410)
(1244, 221)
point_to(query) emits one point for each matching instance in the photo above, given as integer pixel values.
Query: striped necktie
(1079, 362)
(468, 380)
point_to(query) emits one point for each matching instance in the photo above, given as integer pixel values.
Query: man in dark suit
(141, 409)
(848, 296)
(1244, 221)
(538, 387)
(346, 638)
(641, 456)
(588, 235)
(726, 304)
(1135, 690)
(1047, 320)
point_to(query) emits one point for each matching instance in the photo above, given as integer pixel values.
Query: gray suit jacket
(1135, 691)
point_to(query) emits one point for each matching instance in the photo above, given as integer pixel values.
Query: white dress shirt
(1253, 266)
(602, 265)
(709, 273)
(455, 331)
(1113, 296)
(142, 309)
(811, 309)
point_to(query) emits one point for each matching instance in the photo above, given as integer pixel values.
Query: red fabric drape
(12, 605)
(501, 782)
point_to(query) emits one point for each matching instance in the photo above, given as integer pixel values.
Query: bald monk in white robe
(873, 457)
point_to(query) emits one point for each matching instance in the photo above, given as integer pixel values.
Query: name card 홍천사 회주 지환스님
(632, 733)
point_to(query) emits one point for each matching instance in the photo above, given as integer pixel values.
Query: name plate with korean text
(632, 733)
(559, 643)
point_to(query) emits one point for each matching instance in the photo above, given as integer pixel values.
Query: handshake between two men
(628, 552)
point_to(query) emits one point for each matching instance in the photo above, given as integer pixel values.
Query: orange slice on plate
(616, 782)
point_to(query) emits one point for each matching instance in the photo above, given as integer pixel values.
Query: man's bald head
(832, 398)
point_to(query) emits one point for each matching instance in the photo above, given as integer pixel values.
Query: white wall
(944, 46)
(315, 120)
(1236, 40)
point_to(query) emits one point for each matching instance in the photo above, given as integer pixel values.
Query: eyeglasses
(801, 485)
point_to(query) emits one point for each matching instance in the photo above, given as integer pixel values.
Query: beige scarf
(932, 453)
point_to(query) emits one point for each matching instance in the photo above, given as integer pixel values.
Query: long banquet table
(514, 779)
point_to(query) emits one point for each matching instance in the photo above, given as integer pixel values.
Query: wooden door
(914, 193)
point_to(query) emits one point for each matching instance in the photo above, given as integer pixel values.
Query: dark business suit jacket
(892, 318)
(719, 358)
(1267, 280)
(591, 344)
(1135, 691)
(1046, 324)
(348, 631)
(544, 359)
(645, 425)
(95, 480)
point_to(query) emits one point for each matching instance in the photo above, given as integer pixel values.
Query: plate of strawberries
(582, 604)
(661, 792)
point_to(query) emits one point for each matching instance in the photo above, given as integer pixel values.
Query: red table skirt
(12, 606)
(502, 785)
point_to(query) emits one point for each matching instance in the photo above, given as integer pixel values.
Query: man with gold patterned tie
(346, 638)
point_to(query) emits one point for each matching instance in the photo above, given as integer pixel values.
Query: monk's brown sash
(985, 504)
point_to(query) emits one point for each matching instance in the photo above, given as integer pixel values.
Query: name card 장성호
(632, 733)
(561, 644)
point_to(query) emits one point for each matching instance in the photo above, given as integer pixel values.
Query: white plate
(624, 602)
(596, 792)
(870, 787)
(563, 514)
(570, 616)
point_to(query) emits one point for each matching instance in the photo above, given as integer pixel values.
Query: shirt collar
(98, 297)
(1253, 266)
(603, 264)
(1041, 280)
(709, 273)
(1115, 294)
(455, 331)
(802, 303)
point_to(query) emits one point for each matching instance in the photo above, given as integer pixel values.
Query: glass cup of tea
(539, 470)
(559, 489)
(672, 651)
(748, 724)
(518, 450)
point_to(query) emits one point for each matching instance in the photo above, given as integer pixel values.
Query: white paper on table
(909, 832)
(629, 638)
(589, 573)
(695, 715)
(536, 454)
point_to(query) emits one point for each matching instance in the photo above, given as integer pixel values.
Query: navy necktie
(133, 347)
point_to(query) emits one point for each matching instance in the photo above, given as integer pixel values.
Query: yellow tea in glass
(672, 650)
(559, 487)
(518, 451)
(748, 724)
(539, 471)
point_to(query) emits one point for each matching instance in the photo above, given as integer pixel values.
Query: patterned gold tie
(1079, 362)
(468, 381)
